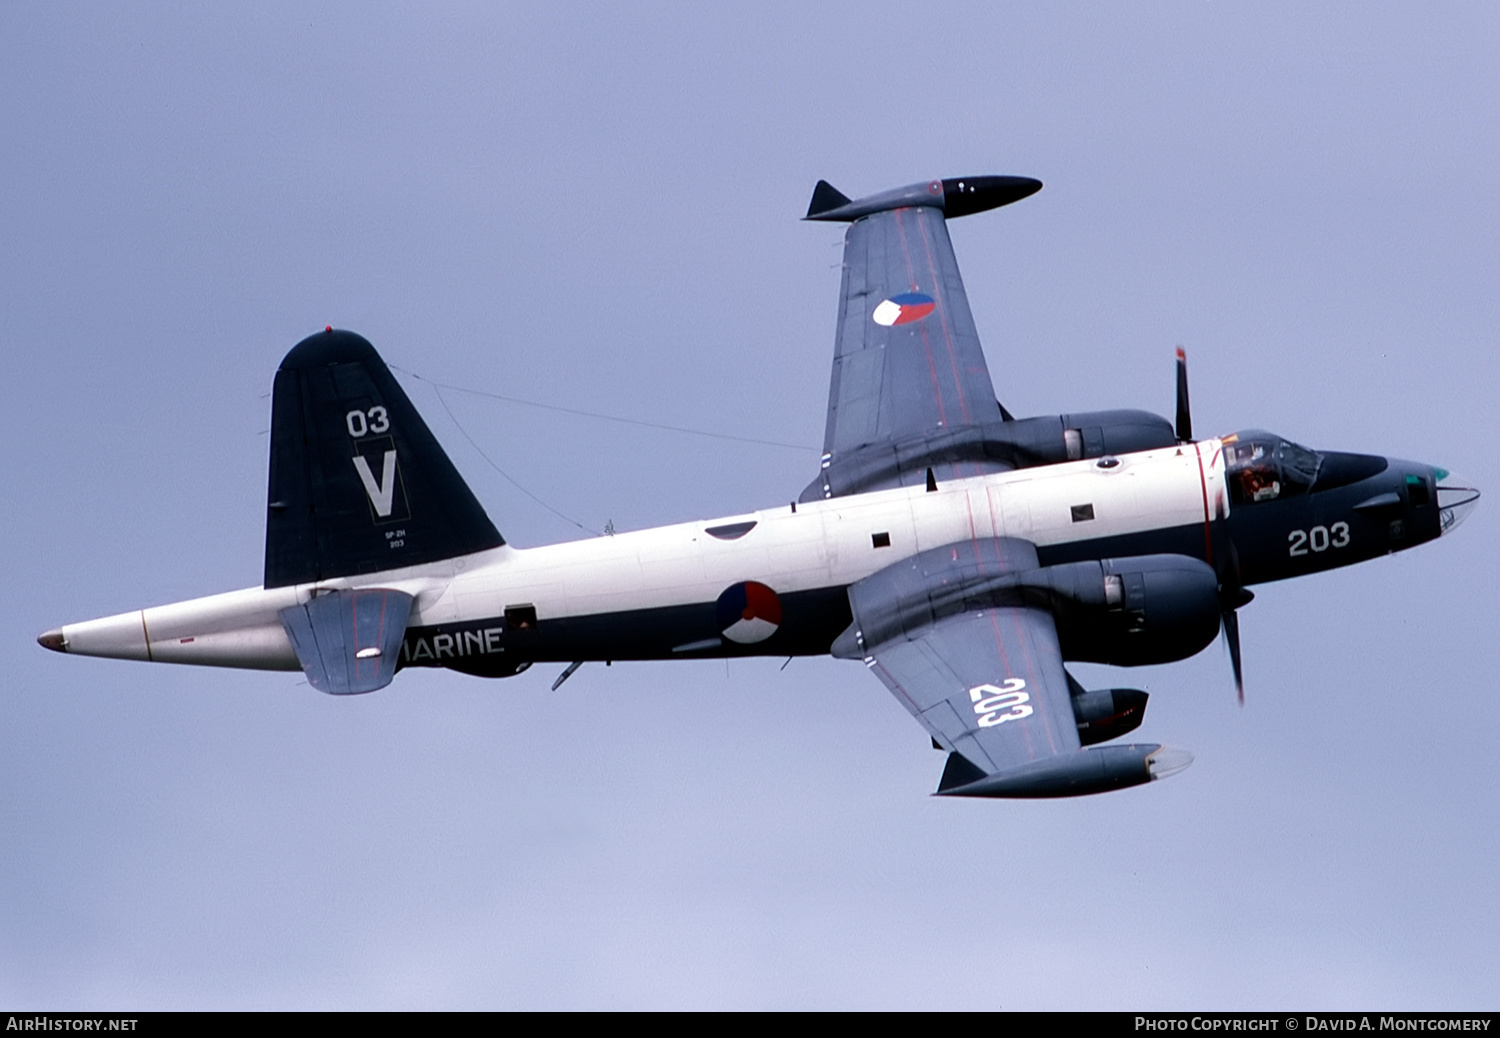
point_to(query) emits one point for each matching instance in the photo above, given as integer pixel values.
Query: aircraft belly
(810, 620)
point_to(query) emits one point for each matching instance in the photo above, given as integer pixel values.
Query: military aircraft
(960, 553)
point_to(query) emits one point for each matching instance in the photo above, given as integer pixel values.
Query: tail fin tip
(358, 483)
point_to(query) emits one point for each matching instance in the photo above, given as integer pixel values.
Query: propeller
(1232, 639)
(1231, 597)
(1232, 594)
(1184, 415)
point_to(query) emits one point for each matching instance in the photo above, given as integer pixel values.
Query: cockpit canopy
(1261, 466)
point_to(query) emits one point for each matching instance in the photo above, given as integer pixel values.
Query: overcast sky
(597, 207)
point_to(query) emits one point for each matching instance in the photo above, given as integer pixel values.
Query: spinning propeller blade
(1184, 415)
(1232, 594)
(1232, 637)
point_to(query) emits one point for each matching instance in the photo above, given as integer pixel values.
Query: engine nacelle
(1106, 713)
(996, 446)
(1028, 442)
(1131, 611)
(1128, 612)
(1154, 609)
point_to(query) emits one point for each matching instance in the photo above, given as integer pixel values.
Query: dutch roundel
(907, 308)
(748, 612)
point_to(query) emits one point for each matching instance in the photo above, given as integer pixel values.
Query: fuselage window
(730, 531)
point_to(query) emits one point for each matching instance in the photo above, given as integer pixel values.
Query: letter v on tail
(382, 492)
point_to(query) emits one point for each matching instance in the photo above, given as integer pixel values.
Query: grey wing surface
(910, 389)
(989, 685)
(900, 373)
(951, 633)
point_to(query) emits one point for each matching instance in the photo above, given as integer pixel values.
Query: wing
(909, 376)
(988, 685)
(906, 360)
(952, 634)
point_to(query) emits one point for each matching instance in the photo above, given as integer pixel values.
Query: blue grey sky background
(597, 207)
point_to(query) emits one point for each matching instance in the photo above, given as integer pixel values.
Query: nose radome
(1456, 497)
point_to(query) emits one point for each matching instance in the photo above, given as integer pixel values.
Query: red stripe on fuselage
(1208, 539)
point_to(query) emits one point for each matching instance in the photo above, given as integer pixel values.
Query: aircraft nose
(1456, 497)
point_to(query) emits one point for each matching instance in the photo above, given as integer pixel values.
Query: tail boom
(236, 629)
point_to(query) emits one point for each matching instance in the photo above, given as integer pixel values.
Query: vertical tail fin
(358, 482)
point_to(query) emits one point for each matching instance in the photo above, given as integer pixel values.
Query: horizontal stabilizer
(349, 641)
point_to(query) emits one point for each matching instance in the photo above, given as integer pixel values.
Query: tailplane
(358, 482)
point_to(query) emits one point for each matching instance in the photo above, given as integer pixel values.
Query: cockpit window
(1263, 467)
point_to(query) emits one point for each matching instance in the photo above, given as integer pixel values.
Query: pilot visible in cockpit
(1259, 483)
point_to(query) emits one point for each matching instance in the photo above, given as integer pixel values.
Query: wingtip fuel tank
(956, 196)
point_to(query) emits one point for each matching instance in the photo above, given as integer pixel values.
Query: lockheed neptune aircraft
(961, 554)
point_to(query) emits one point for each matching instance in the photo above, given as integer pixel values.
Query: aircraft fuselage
(655, 594)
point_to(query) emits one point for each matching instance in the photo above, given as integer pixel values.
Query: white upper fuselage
(819, 544)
